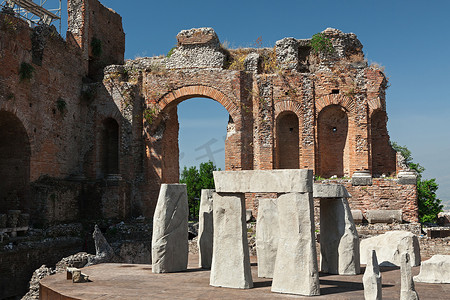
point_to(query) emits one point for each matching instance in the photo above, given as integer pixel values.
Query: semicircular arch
(346, 102)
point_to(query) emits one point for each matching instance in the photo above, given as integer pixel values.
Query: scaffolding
(33, 13)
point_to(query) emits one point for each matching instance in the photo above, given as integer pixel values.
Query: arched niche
(287, 141)
(14, 164)
(332, 136)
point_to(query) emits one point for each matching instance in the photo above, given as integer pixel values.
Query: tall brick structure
(85, 134)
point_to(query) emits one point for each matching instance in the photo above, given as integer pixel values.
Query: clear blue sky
(410, 38)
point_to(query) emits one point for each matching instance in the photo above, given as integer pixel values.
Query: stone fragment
(267, 234)
(78, 277)
(372, 278)
(407, 290)
(252, 63)
(389, 247)
(196, 36)
(435, 270)
(362, 178)
(3, 220)
(231, 260)
(384, 216)
(197, 48)
(103, 251)
(264, 181)
(170, 230)
(339, 240)
(296, 269)
(357, 216)
(248, 215)
(205, 229)
(287, 53)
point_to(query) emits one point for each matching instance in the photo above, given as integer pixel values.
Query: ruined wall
(335, 103)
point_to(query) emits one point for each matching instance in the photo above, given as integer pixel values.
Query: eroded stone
(407, 290)
(389, 247)
(170, 230)
(205, 229)
(372, 278)
(296, 269)
(435, 270)
(267, 233)
(231, 259)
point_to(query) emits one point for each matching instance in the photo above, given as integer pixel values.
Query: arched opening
(332, 141)
(287, 141)
(382, 153)
(109, 147)
(14, 164)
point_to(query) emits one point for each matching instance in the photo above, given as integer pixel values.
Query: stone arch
(333, 157)
(382, 153)
(15, 153)
(178, 95)
(287, 150)
(109, 147)
(288, 105)
(335, 99)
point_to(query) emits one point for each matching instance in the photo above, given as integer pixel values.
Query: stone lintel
(197, 36)
(264, 181)
(330, 191)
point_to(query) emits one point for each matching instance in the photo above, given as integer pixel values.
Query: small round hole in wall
(334, 129)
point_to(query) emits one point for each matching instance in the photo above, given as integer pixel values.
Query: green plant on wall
(61, 105)
(26, 71)
(96, 45)
(169, 54)
(149, 114)
(320, 43)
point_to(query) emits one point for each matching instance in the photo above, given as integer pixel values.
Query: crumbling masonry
(84, 134)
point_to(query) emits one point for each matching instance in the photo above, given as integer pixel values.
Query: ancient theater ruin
(86, 135)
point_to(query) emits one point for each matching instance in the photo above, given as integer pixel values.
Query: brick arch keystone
(341, 100)
(187, 92)
(374, 105)
(288, 106)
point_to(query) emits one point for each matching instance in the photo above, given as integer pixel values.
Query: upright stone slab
(170, 230)
(205, 230)
(372, 278)
(267, 234)
(339, 241)
(407, 290)
(296, 269)
(231, 259)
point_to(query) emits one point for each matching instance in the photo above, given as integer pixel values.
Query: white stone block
(296, 269)
(170, 230)
(264, 181)
(435, 270)
(205, 229)
(231, 259)
(267, 234)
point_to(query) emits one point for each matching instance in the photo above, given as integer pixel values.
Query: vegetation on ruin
(169, 54)
(195, 181)
(320, 43)
(26, 71)
(149, 114)
(96, 45)
(61, 105)
(429, 204)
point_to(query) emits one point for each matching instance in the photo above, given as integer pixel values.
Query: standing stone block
(372, 278)
(267, 234)
(296, 269)
(407, 291)
(205, 230)
(231, 259)
(170, 230)
(339, 241)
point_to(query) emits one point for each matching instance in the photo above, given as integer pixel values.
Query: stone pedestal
(267, 234)
(170, 230)
(296, 269)
(362, 178)
(205, 230)
(231, 260)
